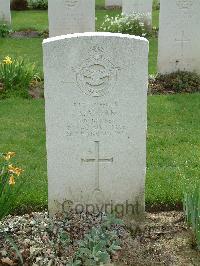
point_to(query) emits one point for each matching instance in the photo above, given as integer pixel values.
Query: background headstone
(138, 6)
(96, 97)
(71, 16)
(5, 14)
(113, 3)
(179, 36)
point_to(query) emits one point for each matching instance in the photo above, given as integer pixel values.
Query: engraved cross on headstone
(97, 160)
(182, 40)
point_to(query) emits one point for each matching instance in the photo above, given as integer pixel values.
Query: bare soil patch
(163, 239)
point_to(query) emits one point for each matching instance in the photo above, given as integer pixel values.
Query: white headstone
(138, 6)
(113, 3)
(71, 16)
(95, 102)
(179, 36)
(5, 15)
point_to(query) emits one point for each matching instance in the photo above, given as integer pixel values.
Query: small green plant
(38, 4)
(99, 244)
(8, 176)
(192, 210)
(177, 82)
(16, 75)
(4, 30)
(133, 24)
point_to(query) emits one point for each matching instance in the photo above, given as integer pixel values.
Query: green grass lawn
(153, 51)
(155, 18)
(173, 146)
(100, 3)
(31, 19)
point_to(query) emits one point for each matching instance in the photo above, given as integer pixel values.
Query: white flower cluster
(135, 24)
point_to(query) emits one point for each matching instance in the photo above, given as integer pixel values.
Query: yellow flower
(11, 168)
(12, 180)
(18, 171)
(9, 155)
(14, 170)
(7, 60)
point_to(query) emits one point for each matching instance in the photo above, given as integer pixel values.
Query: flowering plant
(8, 176)
(38, 4)
(4, 30)
(16, 75)
(134, 24)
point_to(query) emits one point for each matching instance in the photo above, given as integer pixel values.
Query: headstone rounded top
(94, 34)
